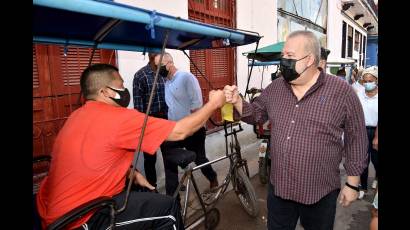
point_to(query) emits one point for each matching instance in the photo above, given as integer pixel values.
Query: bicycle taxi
(109, 25)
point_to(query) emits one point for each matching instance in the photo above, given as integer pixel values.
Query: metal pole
(144, 125)
(250, 72)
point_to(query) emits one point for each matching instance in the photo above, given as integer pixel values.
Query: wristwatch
(352, 187)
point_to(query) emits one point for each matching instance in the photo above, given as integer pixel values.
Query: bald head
(309, 43)
(167, 58)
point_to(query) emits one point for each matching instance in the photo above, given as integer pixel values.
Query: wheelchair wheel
(246, 193)
(213, 218)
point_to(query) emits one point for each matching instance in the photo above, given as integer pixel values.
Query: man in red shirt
(93, 152)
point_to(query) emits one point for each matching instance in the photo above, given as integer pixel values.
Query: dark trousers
(141, 205)
(171, 168)
(150, 160)
(373, 156)
(195, 143)
(284, 214)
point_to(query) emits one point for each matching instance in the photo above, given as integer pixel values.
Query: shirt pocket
(319, 117)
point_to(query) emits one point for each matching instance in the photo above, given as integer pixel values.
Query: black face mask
(288, 68)
(163, 71)
(124, 99)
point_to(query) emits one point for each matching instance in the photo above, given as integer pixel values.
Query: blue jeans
(284, 214)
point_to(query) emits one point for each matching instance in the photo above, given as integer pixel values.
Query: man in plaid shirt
(142, 86)
(309, 111)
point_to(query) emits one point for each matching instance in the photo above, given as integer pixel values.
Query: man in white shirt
(369, 100)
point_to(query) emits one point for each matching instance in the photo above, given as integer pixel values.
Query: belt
(370, 127)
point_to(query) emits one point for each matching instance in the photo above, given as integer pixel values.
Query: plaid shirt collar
(320, 81)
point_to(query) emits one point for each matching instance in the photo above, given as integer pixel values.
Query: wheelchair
(41, 166)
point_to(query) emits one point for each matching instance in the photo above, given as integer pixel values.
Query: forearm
(189, 124)
(250, 113)
(238, 106)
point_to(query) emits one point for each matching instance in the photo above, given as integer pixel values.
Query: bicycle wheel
(246, 193)
(263, 171)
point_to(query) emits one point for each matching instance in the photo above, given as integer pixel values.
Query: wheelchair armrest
(80, 211)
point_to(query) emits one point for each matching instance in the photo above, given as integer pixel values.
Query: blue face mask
(369, 86)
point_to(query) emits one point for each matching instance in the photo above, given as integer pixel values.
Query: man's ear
(311, 60)
(104, 92)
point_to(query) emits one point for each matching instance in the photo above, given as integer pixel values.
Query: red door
(216, 64)
(56, 89)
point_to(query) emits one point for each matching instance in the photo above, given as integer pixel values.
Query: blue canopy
(111, 25)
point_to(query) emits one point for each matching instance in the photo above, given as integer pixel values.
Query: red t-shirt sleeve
(156, 132)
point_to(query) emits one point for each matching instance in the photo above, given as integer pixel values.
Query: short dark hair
(341, 71)
(94, 77)
(324, 53)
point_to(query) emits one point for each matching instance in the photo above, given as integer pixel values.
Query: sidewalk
(232, 216)
(354, 217)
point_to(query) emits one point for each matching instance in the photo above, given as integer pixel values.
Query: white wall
(355, 27)
(131, 62)
(334, 30)
(258, 16)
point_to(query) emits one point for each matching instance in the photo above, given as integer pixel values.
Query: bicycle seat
(179, 156)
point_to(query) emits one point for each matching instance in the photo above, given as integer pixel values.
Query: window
(356, 40)
(314, 14)
(360, 43)
(56, 88)
(314, 10)
(350, 41)
(361, 55)
(364, 51)
(344, 40)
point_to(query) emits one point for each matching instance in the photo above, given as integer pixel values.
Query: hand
(376, 143)
(231, 94)
(347, 196)
(353, 78)
(139, 179)
(217, 97)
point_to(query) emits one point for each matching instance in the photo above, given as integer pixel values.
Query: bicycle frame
(236, 162)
